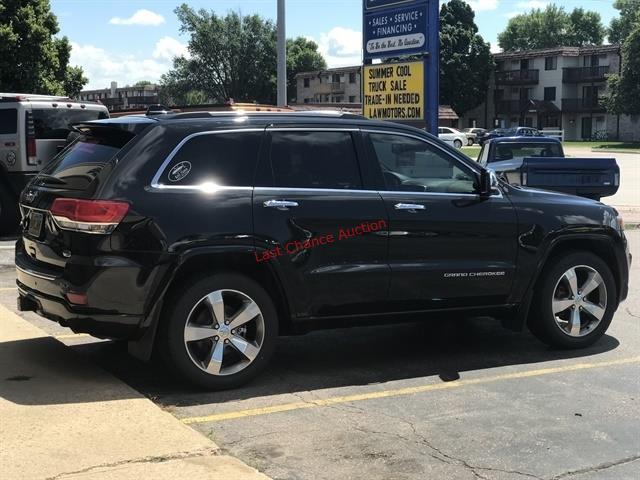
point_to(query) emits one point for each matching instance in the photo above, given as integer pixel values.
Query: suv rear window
(224, 159)
(79, 164)
(8, 121)
(56, 123)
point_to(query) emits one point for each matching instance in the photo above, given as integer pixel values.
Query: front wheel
(220, 331)
(470, 142)
(457, 144)
(575, 301)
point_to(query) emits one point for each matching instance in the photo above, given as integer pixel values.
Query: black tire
(470, 142)
(457, 144)
(9, 217)
(542, 321)
(172, 345)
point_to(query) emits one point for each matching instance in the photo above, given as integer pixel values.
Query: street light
(282, 56)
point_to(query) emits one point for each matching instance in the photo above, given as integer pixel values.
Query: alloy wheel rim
(224, 332)
(579, 301)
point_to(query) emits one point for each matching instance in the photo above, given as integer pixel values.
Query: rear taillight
(89, 216)
(32, 154)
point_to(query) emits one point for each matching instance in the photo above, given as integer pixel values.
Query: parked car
(452, 136)
(509, 132)
(205, 236)
(539, 162)
(472, 134)
(33, 129)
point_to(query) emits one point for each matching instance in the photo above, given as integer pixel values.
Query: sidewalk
(631, 216)
(61, 418)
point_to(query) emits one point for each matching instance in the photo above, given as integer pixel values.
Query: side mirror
(488, 181)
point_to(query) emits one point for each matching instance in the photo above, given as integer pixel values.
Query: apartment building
(335, 85)
(558, 89)
(123, 98)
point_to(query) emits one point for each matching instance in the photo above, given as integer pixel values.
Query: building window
(499, 94)
(352, 78)
(551, 63)
(306, 83)
(307, 100)
(335, 78)
(352, 99)
(549, 94)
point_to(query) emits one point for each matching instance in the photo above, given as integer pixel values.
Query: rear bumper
(43, 290)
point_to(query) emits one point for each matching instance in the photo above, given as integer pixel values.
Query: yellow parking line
(286, 407)
(8, 289)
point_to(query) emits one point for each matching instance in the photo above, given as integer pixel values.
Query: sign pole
(282, 56)
(432, 68)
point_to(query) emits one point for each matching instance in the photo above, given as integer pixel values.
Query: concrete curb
(63, 418)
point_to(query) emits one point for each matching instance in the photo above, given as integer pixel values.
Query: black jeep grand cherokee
(205, 236)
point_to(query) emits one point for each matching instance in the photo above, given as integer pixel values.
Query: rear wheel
(220, 331)
(575, 301)
(457, 144)
(470, 142)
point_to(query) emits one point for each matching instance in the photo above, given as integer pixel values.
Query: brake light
(32, 154)
(90, 216)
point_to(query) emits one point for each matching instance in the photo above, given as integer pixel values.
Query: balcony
(588, 104)
(512, 106)
(151, 100)
(517, 77)
(584, 74)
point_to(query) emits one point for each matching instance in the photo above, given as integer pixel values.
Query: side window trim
(155, 181)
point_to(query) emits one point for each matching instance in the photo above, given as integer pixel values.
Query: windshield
(518, 151)
(78, 165)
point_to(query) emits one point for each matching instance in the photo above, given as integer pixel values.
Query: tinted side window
(411, 165)
(8, 121)
(55, 123)
(224, 159)
(314, 160)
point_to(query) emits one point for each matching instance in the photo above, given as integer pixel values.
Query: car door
(318, 226)
(446, 135)
(448, 246)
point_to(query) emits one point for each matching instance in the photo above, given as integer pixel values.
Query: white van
(33, 129)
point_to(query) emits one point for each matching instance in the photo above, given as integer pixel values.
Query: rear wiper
(51, 179)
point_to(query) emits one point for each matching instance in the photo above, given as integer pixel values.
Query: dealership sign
(394, 91)
(373, 4)
(401, 31)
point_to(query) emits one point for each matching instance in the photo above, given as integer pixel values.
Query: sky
(131, 40)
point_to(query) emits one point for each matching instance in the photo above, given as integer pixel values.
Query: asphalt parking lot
(465, 400)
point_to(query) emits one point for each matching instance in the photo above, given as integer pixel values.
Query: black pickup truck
(539, 162)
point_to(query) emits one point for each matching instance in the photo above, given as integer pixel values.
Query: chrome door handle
(280, 204)
(411, 207)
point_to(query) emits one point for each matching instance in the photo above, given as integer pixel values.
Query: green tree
(32, 60)
(465, 58)
(143, 83)
(624, 90)
(552, 27)
(620, 28)
(302, 56)
(230, 57)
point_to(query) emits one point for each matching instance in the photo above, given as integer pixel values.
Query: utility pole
(282, 56)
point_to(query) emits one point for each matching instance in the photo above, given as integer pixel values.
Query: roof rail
(17, 97)
(241, 113)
